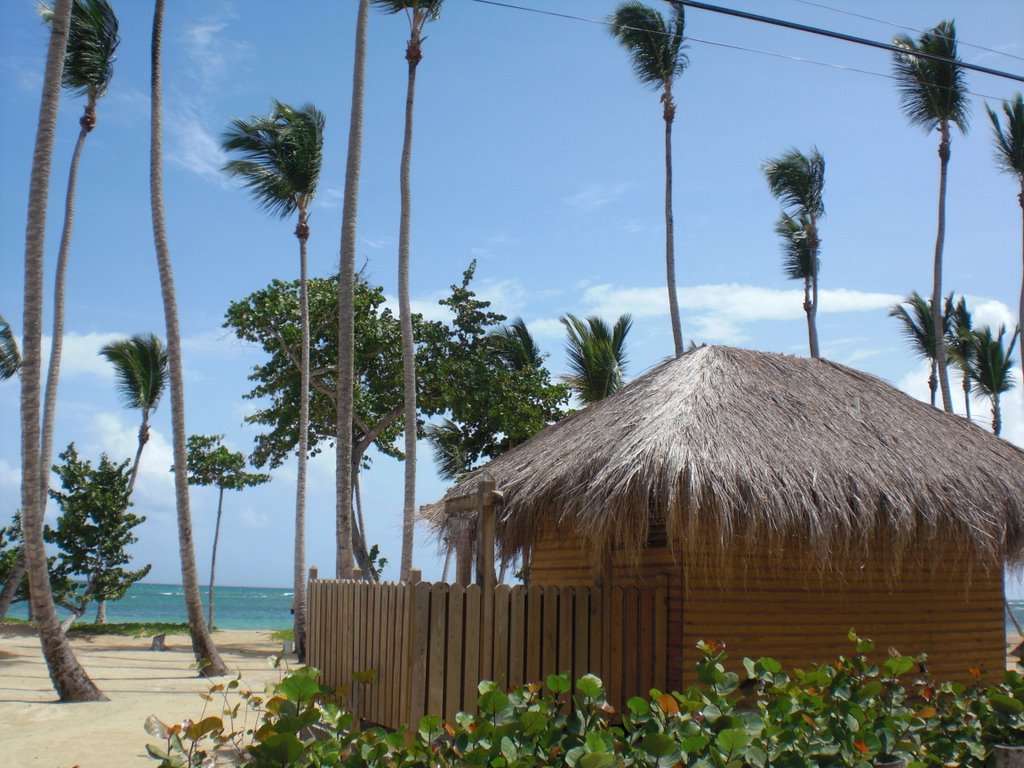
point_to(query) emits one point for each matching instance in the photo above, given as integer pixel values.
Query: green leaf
(638, 706)
(492, 702)
(695, 743)
(204, 727)
(731, 740)
(590, 686)
(508, 749)
(298, 688)
(558, 684)
(597, 760)
(658, 744)
(1006, 704)
(898, 665)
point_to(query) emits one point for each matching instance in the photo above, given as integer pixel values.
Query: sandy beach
(38, 733)
(35, 732)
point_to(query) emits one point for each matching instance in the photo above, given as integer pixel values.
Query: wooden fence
(397, 652)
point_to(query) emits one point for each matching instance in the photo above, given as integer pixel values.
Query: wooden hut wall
(776, 604)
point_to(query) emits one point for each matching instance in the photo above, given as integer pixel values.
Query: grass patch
(282, 634)
(129, 628)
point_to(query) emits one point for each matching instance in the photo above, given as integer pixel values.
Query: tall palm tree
(418, 12)
(798, 182)
(918, 331)
(1010, 158)
(140, 366)
(345, 404)
(10, 357)
(279, 159)
(992, 368)
(655, 45)
(960, 346)
(203, 648)
(933, 94)
(69, 678)
(597, 356)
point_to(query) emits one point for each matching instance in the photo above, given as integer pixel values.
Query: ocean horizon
(235, 607)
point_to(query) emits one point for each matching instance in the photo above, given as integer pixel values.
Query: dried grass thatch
(729, 446)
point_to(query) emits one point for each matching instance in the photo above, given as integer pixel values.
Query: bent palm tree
(1010, 158)
(655, 45)
(597, 356)
(918, 331)
(69, 678)
(203, 648)
(960, 345)
(418, 12)
(515, 346)
(933, 94)
(140, 366)
(345, 396)
(798, 182)
(10, 357)
(992, 368)
(279, 162)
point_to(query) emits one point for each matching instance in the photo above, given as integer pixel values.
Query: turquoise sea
(236, 607)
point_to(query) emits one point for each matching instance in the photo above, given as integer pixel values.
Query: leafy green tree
(961, 347)
(418, 13)
(140, 367)
(1010, 158)
(798, 182)
(69, 678)
(596, 355)
(210, 462)
(992, 368)
(655, 46)
(203, 648)
(94, 529)
(278, 160)
(12, 572)
(914, 316)
(933, 94)
(10, 358)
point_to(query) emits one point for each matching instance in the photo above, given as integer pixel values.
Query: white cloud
(546, 328)
(80, 354)
(111, 434)
(992, 313)
(597, 196)
(212, 53)
(330, 198)
(195, 149)
(376, 242)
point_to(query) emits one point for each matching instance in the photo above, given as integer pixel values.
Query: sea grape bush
(850, 712)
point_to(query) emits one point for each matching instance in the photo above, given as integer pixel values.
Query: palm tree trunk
(933, 382)
(202, 641)
(13, 582)
(101, 611)
(59, 289)
(812, 313)
(1020, 310)
(69, 678)
(302, 233)
(346, 304)
(940, 238)
(413, 55)
(670, 254)
(967, 396)
(143, 439)
(997, 418)
(213, 557)
(808, 309)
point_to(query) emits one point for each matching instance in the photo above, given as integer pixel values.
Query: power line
(715, 43)
(842, 36)
(903, 27)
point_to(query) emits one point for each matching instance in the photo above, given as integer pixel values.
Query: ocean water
(235, 607)
(1017, 607)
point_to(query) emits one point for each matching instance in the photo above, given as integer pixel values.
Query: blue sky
(537, 154)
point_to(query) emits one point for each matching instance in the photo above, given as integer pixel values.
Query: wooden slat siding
(436, 655)
(549, 633)
(475, 632)
(599, 638)
(502, 637)
(566, 614)
(383, 628)
(419, 638)
(453, 662)
(645, 633)
(517, 637)
(581, 645)
(613, 672)
(631, 648)
(534, 647)
(661, 632)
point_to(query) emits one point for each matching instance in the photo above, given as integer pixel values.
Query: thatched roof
(724, 443)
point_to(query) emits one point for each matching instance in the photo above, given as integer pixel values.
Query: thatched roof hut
(781, 499)
(726, 441)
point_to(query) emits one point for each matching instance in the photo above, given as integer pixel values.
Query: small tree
(211, 463)
(94, 530)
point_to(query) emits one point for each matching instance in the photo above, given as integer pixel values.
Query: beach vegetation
(596, 356)
(991, 365)
(858, 710)
(960, 346)
(914, 315)
(10, 357)
(1009, 156)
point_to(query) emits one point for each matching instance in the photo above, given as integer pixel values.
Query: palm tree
(597, 356)
(10, 358)
(918, 331)
(279, 162)
(203, 648)
(418, 12)
(140, 365)
(960, 345)
(798, 181)
(1010, 158)
(69, 678)
(344, 470)
(933, 94)
(992, 368)
(515, 346)
(655, 45)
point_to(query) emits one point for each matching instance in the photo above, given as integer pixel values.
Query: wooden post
(357, 574)
(602, 575)
(463, 556)
(415, 575)
(312, 573)
(485, 528)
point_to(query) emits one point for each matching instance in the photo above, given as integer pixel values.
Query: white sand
(37, 731)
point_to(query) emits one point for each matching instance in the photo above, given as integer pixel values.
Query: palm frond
(450, 455)
(797, 260)
(916, 323)
(140, 367)
(959, 336)
(279, 156)
(421, 10)
(932, 92)
(515, 346)
(992, 362)
(1009, 149)
(798, 181)
(92, 40)
(10, 357)
(655, 44)
(596, 355)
